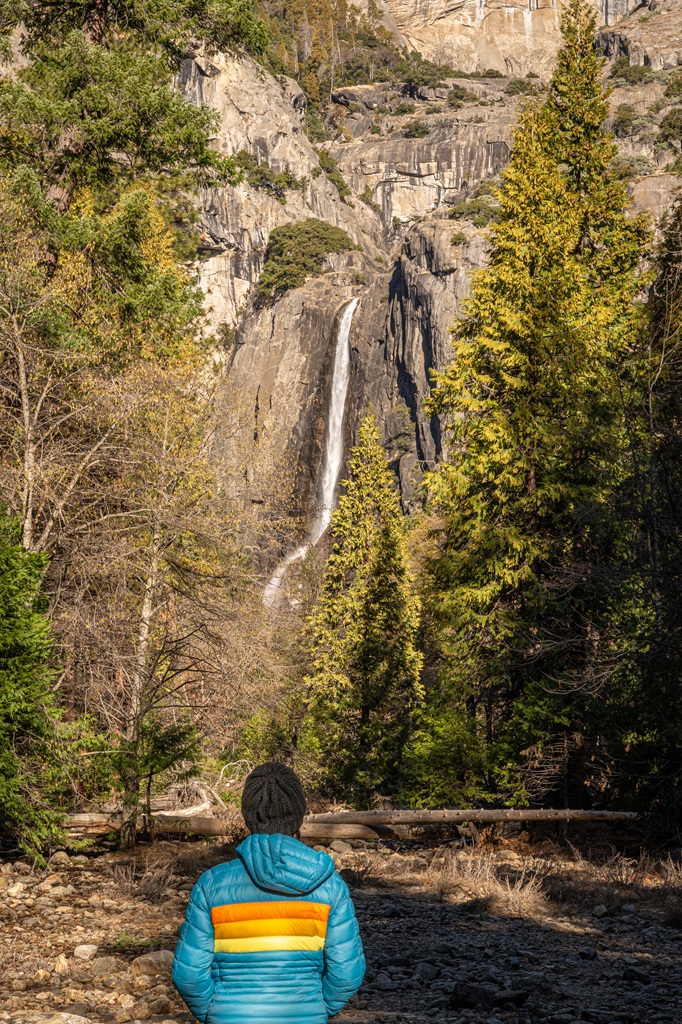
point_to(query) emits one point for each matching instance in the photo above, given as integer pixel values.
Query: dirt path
(485, 939)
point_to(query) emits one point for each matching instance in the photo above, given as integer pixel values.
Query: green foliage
(315, 128)
(445, 761)
(482, 209)
(624, 73)
(364, 683)
(367, 196)
(404, 108)
(171, 25)
(520, 87)
(674, 87)
(624, 120)
(416, 73)
(416, 130)
(88, 115)
(626, 167)
(458, 238)
(458, 95)
(262, 176)
(27, 705)
(670, 131)
(297, 251)
(331, 169)
(532, 412)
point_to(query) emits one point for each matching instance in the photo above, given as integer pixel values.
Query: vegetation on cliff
(298, 251)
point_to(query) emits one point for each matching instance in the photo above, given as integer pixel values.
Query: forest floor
(483, 936)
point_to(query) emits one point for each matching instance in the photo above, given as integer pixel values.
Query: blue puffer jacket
(271, 937)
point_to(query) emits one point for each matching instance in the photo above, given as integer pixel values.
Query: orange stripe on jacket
(269, 911)
(270, 926)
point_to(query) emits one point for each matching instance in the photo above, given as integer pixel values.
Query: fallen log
(342, 824)
(84, 825)
(459, 817)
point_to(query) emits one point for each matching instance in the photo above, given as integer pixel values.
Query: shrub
(297, 251)
(331, 169)
(458, 238)
(671, 127)
(404, 108)
(625, 167)
(262, 176)
(459, 95)
(482, 208)
(674, 87)
(375, 129)
(624, 73)
(520, 87)
(416, 130)
(624, 120)
(367, 196)
(315, 127)
(491, 73)
(434, 110)
(417, 73)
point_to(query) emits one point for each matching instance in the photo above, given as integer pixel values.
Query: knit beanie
(273, 800)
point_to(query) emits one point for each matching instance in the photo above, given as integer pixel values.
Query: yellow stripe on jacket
(267, 943)
(272, 925)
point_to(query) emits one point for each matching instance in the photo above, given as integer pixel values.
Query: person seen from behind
(271, 936)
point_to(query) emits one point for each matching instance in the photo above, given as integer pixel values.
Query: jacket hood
(281, 864)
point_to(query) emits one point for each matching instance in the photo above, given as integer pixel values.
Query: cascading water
(333, 455)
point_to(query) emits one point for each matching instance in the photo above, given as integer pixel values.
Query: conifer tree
(26, 700)
(364, 682)
(532, 409)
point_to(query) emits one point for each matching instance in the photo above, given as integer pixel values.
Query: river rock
(159, 962)
(59, 859)
(103, 965)
(61, 964)
(85, 952)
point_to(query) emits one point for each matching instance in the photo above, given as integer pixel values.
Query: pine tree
(364, 683)
(533, 416)
(26, 700)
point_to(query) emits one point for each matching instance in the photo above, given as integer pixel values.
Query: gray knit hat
(273, 800)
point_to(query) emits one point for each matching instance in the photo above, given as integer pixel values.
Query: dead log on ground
(342, 824)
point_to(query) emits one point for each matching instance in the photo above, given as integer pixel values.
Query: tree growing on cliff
(535, 425)
(364, 684)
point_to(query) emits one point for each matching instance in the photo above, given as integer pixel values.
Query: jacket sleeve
(194, 955)
(344, 961)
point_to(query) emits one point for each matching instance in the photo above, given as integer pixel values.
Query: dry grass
(477, 877)
(503, 883)
(147, 883)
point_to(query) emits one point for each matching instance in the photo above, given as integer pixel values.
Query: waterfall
(333, 455)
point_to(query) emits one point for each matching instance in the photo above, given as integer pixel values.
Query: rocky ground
(451, 935)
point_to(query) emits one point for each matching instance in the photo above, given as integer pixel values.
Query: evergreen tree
(364, 683)
(533, 418)
(26, 701)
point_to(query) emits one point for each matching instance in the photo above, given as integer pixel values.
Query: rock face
(473, 35)
(264, 118)
(408, 178)
(651, 35)
(519, 36)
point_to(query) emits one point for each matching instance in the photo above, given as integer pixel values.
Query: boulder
(85, 952)
(104, 965)
(153, 964)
